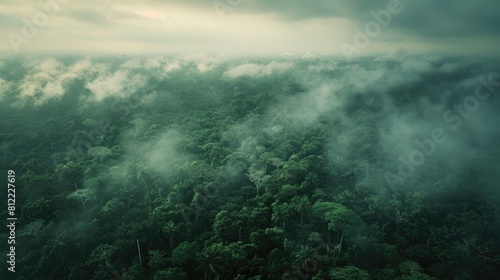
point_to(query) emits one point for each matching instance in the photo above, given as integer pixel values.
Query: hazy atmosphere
(250, 139)
(451, 27)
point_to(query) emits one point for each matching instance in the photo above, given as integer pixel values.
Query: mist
(371, 144)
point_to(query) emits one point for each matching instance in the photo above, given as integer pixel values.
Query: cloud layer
(245, 27)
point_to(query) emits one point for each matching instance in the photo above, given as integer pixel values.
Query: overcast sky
(297, 27)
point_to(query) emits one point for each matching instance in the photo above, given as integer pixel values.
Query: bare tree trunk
(139, 251)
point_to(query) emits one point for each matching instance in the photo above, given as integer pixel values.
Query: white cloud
(120, 83)
(45, 80)
(203, 62)
(53, 89)
(108, 27)
(153, 62)
(204, 67)
(307, 107)
(132, 63)
(390, 72)
(160, 155)
(308, 56)
(175, 65)
(254, 70)
(80, 66)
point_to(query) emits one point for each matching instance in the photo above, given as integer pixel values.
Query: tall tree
(301, 204)
(171, 229)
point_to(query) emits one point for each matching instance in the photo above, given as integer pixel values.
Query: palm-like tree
(58, 245)
(234, 266)
(280, 213)
(170, 229)
(305, 257)
(311, 181)
(42, 203)
(142, 176)
(301, 204)
(208, 265)
(39, 206)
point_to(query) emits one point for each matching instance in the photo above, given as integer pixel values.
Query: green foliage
(244, 178)
(171, 273)
(348, 273)
(341, 219)
(157, 260)
(185, 252)
(410, 270)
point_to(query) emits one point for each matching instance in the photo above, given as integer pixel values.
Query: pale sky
(262, 27)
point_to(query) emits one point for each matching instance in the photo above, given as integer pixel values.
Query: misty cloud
(300, 27)
(4, 88)
(188, 126)
(256, 70)
(175, 65)
(45, 80)
(159, 155)
(119, 83)
(401, 106)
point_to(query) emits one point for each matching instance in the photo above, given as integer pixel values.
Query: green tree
(258, 177)
(170, 229)
(34, 228)
(185, 253)
(410, 270)
(342, 220)
(209, 259)
(83, 196)
(281, 213)
(59, 246)
(301, 205)
(348, 273)
(171, 273)
(157, 260)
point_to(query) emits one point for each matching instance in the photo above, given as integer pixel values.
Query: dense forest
(212, 167)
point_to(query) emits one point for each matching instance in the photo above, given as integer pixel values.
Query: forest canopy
(210, 167)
